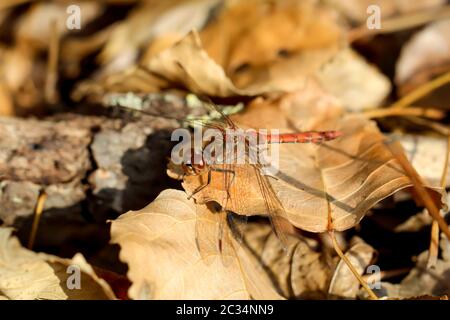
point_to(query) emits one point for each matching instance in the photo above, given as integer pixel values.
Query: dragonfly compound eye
(195, 165)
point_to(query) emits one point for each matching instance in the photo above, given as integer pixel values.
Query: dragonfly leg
(202, 186)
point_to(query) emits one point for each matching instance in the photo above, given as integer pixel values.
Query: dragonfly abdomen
(303, 137)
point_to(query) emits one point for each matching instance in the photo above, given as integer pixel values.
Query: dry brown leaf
(421, 280)
(322, 187)
(24, 275)
(344, 284)
(15, 65)
(180, 64)
(299, 271)
(424, 56)
(152, 19)
(415, 223)
(427, 155)
(266, 29)
(342, 78)
(158, 244)
(92, 287)
(188, 63)
(22, 75)
(34, 30)
(29, 275)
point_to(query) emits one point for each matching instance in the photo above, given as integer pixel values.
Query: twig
(372, 295)
(421, 91)
(435, 126)
(37, 217)
(413, 111)
(388, 274)
(423, 194)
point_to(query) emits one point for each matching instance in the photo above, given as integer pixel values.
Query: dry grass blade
(422, 193)
(421, 91)
(37, 218)
(430, 113)
(355, 272)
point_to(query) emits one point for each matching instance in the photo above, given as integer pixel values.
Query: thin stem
(422, 193)
(422, 91)
(37, 217)
(388, 274)
(338, 250)
(446, 161)
(434, 243)
(435, 126)
(413, 111)
(433, 249)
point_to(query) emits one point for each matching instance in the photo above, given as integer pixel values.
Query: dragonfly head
(195, 165)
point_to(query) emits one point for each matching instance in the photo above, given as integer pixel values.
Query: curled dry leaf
(266, 34)
(151, 20)
(158, 243)
(344, 284)
(29, 275)
(322, 187)
(198, 67)
(424, 56)
(181, 64)
(299, 272)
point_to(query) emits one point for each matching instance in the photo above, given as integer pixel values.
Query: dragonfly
(196, 165)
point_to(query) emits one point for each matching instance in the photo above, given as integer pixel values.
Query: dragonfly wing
(205, 239)
(212, 236)
(222, 117)
(237, 225)
(226, 248)
(275, 209)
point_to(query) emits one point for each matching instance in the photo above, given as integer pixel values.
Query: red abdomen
(303, 137)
